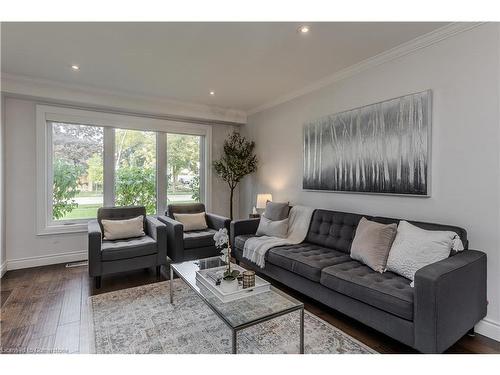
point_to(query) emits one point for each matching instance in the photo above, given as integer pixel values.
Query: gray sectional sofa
(448, 299)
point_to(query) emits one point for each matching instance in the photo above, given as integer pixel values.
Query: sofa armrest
(218, 222)
(175, 238)
(450, 298)
(94, 247)
(158, 231)
(245, 226)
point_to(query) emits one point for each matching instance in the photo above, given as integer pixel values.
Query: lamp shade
(262, 200)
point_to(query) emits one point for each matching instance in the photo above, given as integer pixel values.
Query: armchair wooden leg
(158, 273)
(97, 281)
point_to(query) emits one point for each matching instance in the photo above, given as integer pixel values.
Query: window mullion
(109, 166)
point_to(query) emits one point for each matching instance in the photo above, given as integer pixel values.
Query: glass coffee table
(241, 313)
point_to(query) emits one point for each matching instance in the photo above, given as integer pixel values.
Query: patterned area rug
(141, 320)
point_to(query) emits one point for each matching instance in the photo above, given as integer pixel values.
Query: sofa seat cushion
(386, 291)
(239, 241)
(305, 259)
(127, 248)
(199, 238)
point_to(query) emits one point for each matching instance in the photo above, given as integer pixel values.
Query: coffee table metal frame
(236, 329)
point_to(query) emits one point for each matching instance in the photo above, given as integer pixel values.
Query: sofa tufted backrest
(336, 229)
(333, 229)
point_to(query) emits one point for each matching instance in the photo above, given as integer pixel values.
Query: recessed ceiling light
(212, 93)
(75, 67)
(304, 29)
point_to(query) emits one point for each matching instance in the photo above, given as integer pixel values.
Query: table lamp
(262, 200)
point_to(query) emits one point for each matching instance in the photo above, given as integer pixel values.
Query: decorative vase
(229, 286)
(248, 279)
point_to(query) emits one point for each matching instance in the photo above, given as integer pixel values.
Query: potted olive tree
(237, 161)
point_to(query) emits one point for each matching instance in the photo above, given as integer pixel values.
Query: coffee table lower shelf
(235, 330)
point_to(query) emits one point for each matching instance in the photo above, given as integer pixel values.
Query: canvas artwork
(380, 148)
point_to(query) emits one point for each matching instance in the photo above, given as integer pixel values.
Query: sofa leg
(158, 273)
(97, 281)
(471, 332)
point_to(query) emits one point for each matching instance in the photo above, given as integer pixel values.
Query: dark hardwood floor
(44, 309)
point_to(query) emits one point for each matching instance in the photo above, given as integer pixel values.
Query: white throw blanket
(298, 224)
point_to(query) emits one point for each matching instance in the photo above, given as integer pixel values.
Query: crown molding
(404, 49)
(73, 94)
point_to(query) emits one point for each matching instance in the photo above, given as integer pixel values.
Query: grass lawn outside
(89, 211)
(83, 211)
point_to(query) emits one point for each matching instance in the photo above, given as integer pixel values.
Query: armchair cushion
(190, 208)
(192, 221)
(120, 213)
(119, 229)
(199, 238)
(128, 248)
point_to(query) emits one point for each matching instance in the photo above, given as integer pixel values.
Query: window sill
(63, 229)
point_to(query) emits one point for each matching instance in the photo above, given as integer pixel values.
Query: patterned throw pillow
(414, 248)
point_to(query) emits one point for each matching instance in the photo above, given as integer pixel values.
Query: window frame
(111, 121)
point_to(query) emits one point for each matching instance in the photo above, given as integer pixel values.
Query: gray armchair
(194, 244)
(106, 257)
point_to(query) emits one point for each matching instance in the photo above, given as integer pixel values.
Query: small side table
(253, 216)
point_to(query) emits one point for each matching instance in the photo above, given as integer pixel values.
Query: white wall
(3, 255)
(23, 247)
(463, 73)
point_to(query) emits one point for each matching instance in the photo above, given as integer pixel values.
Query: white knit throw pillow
(414, 248)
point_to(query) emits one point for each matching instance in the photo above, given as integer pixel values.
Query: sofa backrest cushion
(336, 229)
(186, 208)
(333, 229)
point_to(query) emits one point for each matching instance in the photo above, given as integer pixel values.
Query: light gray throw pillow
(372, 243)
(414, 248)
(192, 221)
(272, 228)
(276, 211)
(121, 229)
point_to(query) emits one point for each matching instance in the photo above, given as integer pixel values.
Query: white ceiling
(246, 64)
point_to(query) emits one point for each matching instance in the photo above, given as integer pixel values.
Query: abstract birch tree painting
(379, 148)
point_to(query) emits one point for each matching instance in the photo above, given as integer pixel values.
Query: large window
(77, 171)
(135, 165)
(88, 160)
(183, 168)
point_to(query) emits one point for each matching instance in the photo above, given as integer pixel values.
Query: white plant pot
(229, 286)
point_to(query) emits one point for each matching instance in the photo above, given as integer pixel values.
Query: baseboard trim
(3, 269)
(45, 260)
(490, 328)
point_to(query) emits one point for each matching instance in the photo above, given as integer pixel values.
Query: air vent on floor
(83, 263)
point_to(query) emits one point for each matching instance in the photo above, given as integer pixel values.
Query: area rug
(142, 320)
